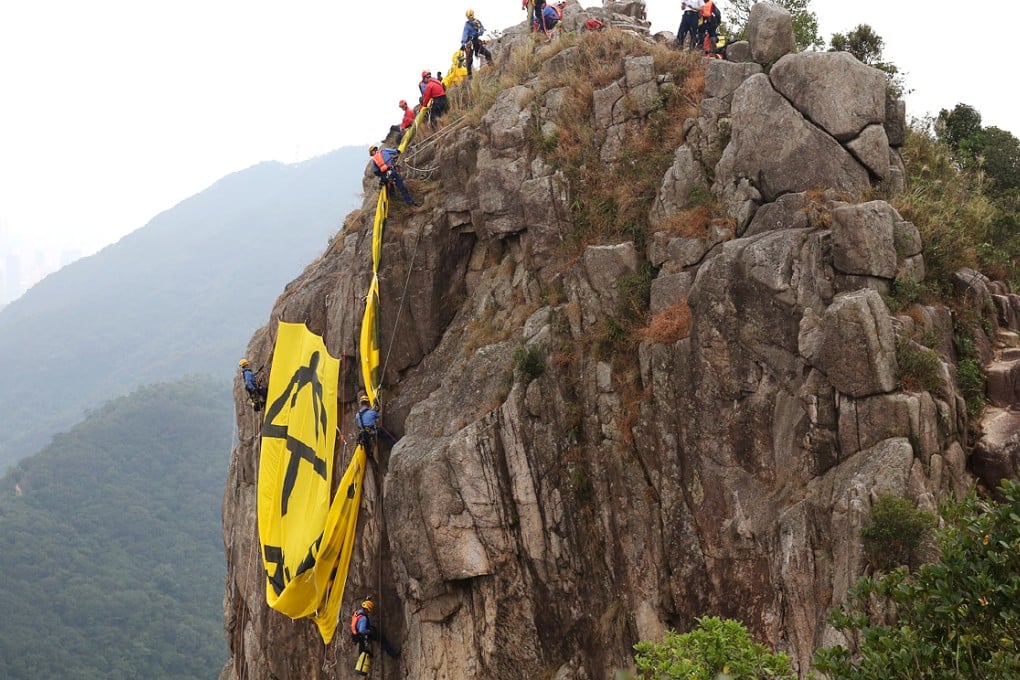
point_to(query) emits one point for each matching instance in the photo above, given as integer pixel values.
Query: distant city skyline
(24, 264)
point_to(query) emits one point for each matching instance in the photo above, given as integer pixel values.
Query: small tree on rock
(958, 617)
(716, 648)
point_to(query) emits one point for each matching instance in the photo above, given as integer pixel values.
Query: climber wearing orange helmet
(362, 631)
(471, 41)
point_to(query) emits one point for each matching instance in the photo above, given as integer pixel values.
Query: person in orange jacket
(384, 166)
(710, 20)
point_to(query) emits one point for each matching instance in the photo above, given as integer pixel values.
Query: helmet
(368, 605)
(363, 399)
(470, 14)
(426, 74)
(372, 149)
(243, 363)
(403, 103)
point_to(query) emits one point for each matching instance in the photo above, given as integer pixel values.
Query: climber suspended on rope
(256, 392)
(369, 421)
(363, 632)
(384, 166)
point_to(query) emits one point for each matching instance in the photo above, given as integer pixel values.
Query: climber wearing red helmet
(408, 115)
(397, 131)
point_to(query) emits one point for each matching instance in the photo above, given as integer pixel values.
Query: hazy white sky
(112, 111)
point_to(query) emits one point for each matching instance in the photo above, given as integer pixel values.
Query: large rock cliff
(567, 481)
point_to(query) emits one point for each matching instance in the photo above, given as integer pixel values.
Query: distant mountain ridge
(180, 295)
(113, 549)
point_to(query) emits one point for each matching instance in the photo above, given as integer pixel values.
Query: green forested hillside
(180, 295)
(112, 553)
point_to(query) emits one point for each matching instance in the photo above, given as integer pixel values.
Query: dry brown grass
(612, 201)
(669, 325)
(689, 223)
(915, 313)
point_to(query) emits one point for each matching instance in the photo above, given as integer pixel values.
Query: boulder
(852, 343)
(862, 239)
(770, 32)
(896, 121)
(833, 90)
(722, 78)
(776, 148)
(789, 211)
(865, 422)
(996, 454)
(739, 52)
(871, 148)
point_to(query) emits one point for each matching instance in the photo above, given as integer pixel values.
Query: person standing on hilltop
(687, 34)
(471, 41)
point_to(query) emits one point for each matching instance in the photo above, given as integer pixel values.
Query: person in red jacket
(434, 92)
(397, 131)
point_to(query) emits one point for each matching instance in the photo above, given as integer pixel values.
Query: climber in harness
(363, 632)
(433, 95)
(471, 41)
(256, 392)
(384, 166)
(369, 421)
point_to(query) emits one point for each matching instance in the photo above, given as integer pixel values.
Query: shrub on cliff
(958, 617)
(717, 648)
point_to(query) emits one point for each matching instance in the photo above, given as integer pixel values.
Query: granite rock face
(608, 495)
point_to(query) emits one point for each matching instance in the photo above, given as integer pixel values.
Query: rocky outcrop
(621, 485)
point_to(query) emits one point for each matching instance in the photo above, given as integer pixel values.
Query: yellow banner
(338, 541)
(413, 130)
(295, 475)
(370, 369)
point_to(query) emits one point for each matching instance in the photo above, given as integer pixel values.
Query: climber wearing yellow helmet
(362, 631)
(471, 41)
(256, 392)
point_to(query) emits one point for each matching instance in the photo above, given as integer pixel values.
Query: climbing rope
(403, 295)
(242, 608)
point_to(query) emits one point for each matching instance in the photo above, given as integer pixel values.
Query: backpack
(716, 14)
(355, 618)
(479, 29)
(593, 25)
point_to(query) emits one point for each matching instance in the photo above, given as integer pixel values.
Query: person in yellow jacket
(458, 69)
